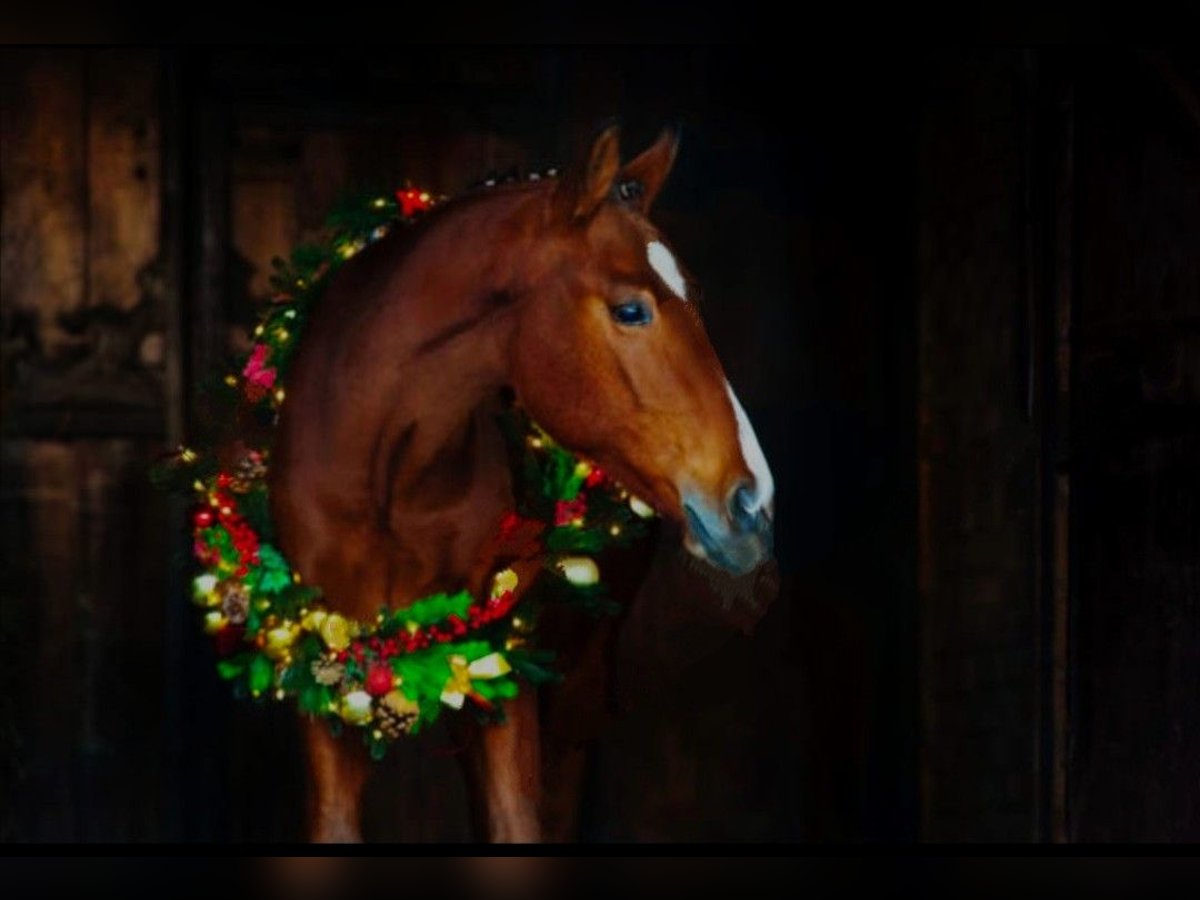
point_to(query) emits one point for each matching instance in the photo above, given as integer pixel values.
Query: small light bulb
(279, 395)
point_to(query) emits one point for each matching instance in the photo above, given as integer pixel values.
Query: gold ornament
(505, 580)
(355, 707)
(335, 631)
(279, 640)
(581, 571)
(311, 619)
(583, 469)
(214, 621)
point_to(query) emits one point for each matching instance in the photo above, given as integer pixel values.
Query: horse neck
(394, 475)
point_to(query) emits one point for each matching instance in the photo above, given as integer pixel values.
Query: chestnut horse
(390, 472)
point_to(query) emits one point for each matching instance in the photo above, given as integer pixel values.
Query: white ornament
(581, 571)
(640, 507)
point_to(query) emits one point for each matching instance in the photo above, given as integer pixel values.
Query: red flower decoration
(259, 377)
(567, 512)
(413, 201)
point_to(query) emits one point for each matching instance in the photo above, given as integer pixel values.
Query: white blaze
(764, 484)
(663, 262)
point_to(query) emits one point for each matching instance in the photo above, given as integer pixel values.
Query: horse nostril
(742, 510)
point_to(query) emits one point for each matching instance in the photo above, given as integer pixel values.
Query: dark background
(958, 293)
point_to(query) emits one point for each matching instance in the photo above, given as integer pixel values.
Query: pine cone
(326, 672)
(249, 469)
(235, 602)
(396, 715)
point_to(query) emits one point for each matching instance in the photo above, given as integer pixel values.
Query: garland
(393, 676)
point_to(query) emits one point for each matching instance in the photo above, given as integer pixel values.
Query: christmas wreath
(274, 635)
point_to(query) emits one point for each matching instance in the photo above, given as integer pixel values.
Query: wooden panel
(124, 174)
(978, 457)
(42, 171)
(84, 559)
(1136, 667)
(83, 579)
(82, 294)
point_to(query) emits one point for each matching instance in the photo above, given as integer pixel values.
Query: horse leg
(337, 771)
(503, 773)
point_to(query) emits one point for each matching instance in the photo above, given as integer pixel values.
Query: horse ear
(643, 177)
(584, 187)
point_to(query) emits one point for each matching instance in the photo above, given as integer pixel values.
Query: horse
(389, 471)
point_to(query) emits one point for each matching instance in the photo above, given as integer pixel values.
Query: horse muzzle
(737, 538)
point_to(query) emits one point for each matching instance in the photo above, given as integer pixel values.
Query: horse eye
(631, 312)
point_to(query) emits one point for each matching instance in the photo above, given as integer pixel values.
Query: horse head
(611, 357)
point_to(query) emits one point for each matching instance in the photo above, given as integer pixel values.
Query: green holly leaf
(231, 668)
(569, 539)
(495, 689)
(435, 608)
(260, 674)
(315, 699)
(272, 574)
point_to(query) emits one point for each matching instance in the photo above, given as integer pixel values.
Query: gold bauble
(311, 619)
(279, 640)
(214, 621)
(505, 580)
(335, 632)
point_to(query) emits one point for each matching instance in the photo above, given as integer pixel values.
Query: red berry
(203, 518)
(379, 680)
